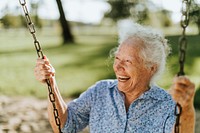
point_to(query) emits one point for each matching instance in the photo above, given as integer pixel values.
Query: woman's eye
(117, 58)
(128, 61)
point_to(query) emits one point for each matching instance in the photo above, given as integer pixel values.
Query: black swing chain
(183, 40)
(178, 111)
(182, 53)
(38, 48)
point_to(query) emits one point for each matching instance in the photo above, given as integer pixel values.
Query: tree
(66, 32)
(195, 14)
(136, 9)
(119, 10)
(34, 10)
(165, 17)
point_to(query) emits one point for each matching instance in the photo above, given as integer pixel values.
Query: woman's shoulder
(159, 93)
(161, 96)
(107, 83)
(103, 86)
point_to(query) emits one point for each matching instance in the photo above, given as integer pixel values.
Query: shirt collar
(153, 93)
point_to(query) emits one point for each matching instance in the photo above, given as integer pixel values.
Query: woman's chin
(123, 86)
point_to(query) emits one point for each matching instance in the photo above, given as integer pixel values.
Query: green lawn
(192, 60)
(77, 65)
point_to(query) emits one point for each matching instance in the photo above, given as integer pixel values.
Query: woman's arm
(182, 91)
(43, 71)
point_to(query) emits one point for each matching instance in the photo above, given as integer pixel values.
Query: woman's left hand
(182, 91)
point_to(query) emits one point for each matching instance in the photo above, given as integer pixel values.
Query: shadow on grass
(32, 49)
(91, 57)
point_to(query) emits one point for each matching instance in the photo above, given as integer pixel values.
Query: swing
(182, 54)
(40, 54)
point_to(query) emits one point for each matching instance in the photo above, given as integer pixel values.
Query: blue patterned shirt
(102, 108)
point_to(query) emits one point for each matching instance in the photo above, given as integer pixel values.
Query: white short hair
(155, 49)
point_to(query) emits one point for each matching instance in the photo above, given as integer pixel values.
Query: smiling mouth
(123, 78)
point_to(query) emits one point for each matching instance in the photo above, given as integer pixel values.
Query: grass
(77, 65)
(192, 63)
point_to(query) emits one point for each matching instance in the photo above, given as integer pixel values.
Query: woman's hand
(43, 70)
(182, 91)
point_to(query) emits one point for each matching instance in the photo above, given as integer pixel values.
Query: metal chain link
(182, 53)
(183, 40)
(178, 111)
(38, 48)
(182, 49)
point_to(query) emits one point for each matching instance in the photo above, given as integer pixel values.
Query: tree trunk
(66, 32)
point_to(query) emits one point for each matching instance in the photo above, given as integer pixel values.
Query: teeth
(123, 77)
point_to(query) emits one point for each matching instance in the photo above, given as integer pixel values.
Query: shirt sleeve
(170, 122)
(78, 112)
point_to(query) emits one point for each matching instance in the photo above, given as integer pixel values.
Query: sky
(88, 11)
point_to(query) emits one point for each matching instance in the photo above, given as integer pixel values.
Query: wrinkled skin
(44, 70)
(182, 91)
(129, 69)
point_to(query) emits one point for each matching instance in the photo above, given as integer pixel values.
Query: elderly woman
(132, 103)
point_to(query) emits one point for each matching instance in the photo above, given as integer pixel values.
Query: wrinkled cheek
(114, 67)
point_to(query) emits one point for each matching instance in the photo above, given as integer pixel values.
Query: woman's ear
(153, 68)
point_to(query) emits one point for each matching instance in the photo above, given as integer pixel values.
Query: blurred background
(77, 36)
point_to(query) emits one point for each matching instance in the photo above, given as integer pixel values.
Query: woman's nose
(119, 65)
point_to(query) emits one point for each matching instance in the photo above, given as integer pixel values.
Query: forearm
(187, 120)
(60, 106)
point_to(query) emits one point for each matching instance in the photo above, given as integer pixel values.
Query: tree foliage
(12, 21)
(34, 13)
(195, 14)
(135, 9)
(165, 17)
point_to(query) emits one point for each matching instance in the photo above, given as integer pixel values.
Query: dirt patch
(29, 115)
(23, 115)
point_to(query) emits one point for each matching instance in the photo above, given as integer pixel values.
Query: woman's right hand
(43, 70)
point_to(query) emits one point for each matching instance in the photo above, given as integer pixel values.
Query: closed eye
(116, 58)
(128, 61)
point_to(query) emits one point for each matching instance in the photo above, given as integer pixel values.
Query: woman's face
(130, 70)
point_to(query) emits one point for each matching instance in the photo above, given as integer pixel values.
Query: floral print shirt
(102, 108)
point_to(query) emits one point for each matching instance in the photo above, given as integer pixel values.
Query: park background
(81, 58)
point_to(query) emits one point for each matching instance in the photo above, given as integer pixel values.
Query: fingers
(43, 61)
(43, 70)
(182, 90)
(183, 82)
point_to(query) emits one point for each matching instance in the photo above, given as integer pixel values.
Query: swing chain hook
(183, 40)
(38, 48)
(178, 111)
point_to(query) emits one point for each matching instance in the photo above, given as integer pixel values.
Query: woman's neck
(131, 97)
